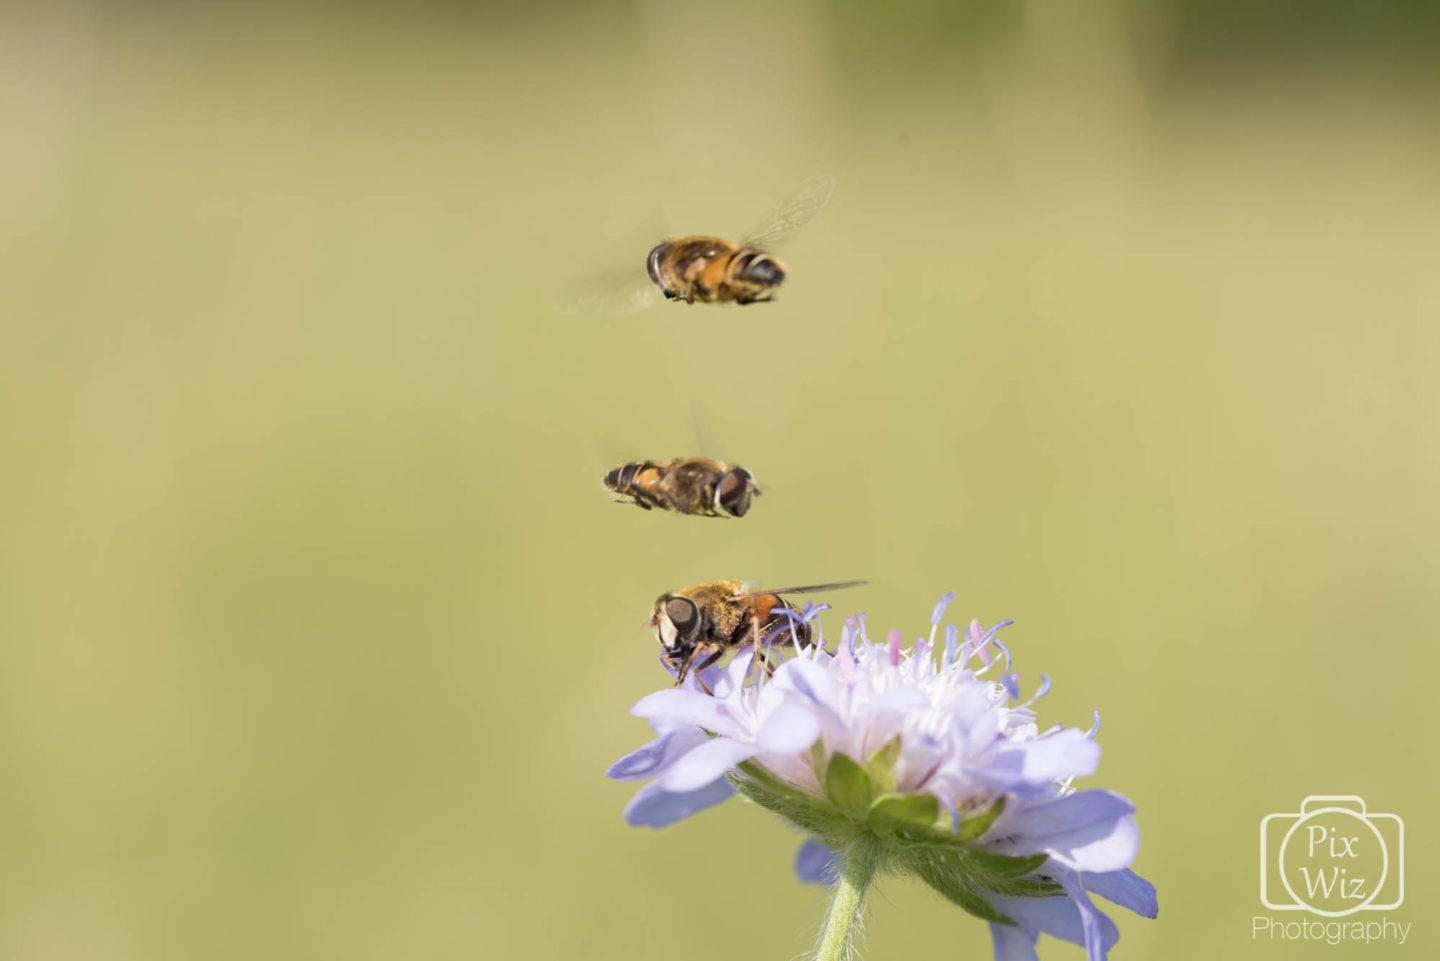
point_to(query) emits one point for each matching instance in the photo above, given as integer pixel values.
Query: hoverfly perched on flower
(709, 620)
(712, 270)
(686, 485)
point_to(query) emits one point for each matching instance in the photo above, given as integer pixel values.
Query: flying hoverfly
(687, 485)
(713, 270)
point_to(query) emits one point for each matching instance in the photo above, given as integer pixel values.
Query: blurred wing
(808, 589)
(701, 427)
(621, 292)
(792, 215)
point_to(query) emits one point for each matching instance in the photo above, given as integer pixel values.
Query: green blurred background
(317, 631)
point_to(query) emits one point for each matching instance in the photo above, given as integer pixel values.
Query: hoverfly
(713, 270)
(686, 485)
(699, 625)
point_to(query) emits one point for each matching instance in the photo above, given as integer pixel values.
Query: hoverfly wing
(616, 293)
(807, 589)
(792, 215)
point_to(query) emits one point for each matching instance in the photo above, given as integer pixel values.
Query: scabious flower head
(922, 753)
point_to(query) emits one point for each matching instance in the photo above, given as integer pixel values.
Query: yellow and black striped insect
(710, 270)
(716, 271)
(686, 485)
(698, 625)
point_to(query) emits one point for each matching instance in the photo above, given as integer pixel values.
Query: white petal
(811, 681)
(900, 699)
(705, 764)
(788, 729)
(1099, 848)
(1065, 754)
(691, 707)
(726, 680)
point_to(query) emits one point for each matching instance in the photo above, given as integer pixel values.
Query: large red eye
(683, 613)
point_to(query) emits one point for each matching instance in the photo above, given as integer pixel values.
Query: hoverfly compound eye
(652, 264)
(683, 616)
(612, 479)
(765, 271)
(732, 494)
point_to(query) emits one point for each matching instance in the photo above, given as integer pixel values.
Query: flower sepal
(913, 834)
(817, 816)
(977, 824)
(906, 814)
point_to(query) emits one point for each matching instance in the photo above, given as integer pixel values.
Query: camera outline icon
(1352, 806)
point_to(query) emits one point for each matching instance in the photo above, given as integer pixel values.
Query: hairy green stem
(847, 906)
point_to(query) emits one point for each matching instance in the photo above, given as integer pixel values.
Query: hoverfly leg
(685, 669)
(763, 643)
(714, 656)
(755, 648)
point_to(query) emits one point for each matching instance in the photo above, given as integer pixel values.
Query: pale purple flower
(922, 724)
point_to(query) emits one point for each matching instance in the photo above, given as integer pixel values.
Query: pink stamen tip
(893, 645)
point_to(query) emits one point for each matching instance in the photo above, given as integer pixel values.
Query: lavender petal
(654, 807)
(1125, 888)
(704, 764)
(654, 758)
(815, 862)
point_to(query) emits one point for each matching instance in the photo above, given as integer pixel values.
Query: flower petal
(692, 707)
(726, 681)
(1062, 815)
(1012, 943)
(654, 758)
(1088, 831)
(1064, 754)
(1099, 848)
(815, 862)
(1058, 917)
(1092, 922)
(654, 807)
(704, 764)
(789, 728)
(809, 680)
(1125, 888)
